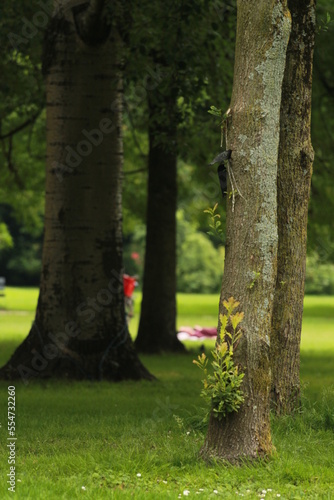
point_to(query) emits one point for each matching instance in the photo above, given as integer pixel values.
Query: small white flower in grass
(83, 488)
(139, 474)
(188, 433)
(264, 492)
(215, 491)
(165, 482)
(200, 489)
(186, 492)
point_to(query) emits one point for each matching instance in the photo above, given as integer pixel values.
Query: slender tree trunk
(157, 327)
(250, 265)
(294, 181)
(80, 329)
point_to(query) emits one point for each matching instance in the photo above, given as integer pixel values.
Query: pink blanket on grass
(196, 333)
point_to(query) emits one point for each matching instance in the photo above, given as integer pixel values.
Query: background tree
(182, 36)
(251, 241)
(293, 192)
(157, 327)
(80, 329)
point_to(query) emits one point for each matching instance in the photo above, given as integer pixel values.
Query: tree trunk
(251, 241)
(294, 181)
(157, 327)
(80, 329)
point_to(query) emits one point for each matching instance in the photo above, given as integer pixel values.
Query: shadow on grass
(317, 372)
(7, 348)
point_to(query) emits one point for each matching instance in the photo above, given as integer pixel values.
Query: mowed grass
(18, 306)
(142, 439)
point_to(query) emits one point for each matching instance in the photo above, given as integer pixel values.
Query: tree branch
(10, 164)
(129, 172)
(22, 126)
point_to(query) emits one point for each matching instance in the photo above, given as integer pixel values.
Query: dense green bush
(319, 276)
(6, 241)
(199, 263)
(199, 266)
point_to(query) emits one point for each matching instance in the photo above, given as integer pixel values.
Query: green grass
(101, 435)
(19, 299)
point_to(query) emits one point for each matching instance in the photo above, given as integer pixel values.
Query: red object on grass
(129, 284)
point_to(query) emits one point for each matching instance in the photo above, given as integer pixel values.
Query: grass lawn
(141, 439)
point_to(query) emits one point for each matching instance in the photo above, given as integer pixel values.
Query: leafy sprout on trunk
(222, 388)
(214, 222)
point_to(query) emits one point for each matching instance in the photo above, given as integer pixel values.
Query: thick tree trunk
(80, 329)
(250, 265)
(294, 180)
(157, 327)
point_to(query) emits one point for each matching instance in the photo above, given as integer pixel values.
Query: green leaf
(223, 319)
(215, 111)
(236, 319)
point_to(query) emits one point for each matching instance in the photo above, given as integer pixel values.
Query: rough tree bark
(157, 326)
(80, 329)
(293, 192)
(250, 264)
